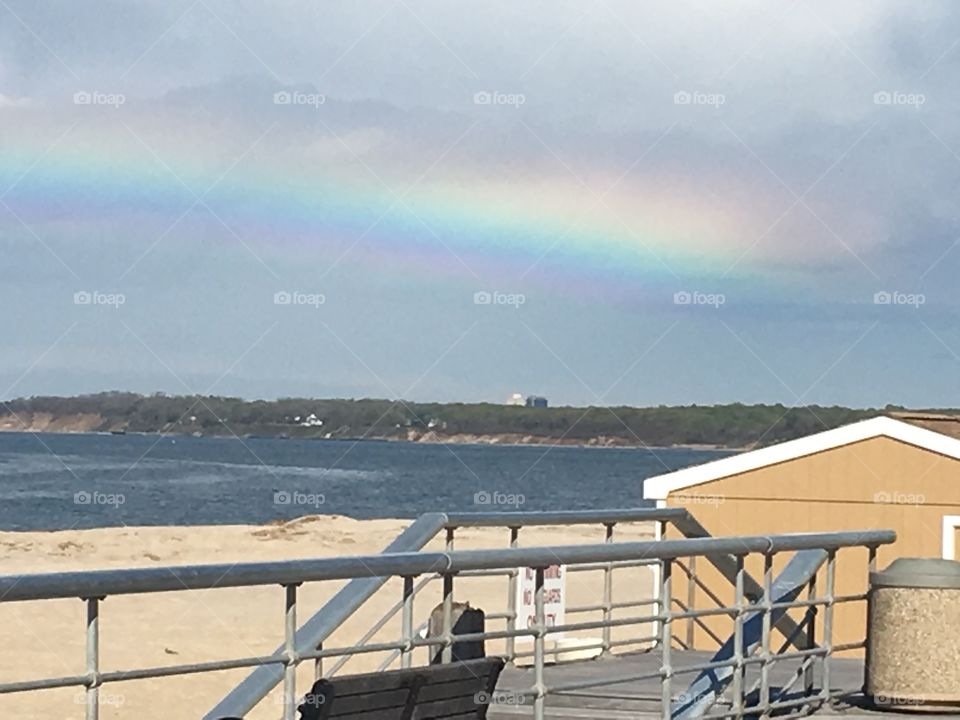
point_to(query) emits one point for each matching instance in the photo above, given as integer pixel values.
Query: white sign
(554, 597)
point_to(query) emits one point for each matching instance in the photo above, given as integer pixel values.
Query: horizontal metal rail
(564, 517)
(102, 583)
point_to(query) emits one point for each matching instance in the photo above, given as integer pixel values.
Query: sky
(603, 202)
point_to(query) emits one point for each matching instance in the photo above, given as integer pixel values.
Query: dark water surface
(59, 481)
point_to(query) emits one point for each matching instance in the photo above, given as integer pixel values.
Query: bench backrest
(458, 690)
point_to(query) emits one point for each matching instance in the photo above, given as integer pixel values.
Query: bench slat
(434, 692)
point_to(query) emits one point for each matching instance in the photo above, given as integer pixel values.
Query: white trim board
(659, 487)
(950, 524)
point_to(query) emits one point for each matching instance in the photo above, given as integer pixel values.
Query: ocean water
(61, 481)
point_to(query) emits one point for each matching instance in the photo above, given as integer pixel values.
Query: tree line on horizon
(731, 425)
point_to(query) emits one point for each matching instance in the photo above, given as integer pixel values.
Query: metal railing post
(512, 585)
(666, 640)
(738, 666)
(318, 664)
(93, 658)
(767, 611)
(446, 655)
(290, 654)
(539, 640)
(607, 596)
(828, 620)
(661, 534)
(691, 598)
(406, 655)
(808, 674)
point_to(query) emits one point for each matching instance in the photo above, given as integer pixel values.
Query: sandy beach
(43, 639)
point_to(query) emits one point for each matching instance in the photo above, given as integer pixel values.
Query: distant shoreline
(730, 427)
(493, 440)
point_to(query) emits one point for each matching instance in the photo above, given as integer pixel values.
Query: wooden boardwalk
(641, 698)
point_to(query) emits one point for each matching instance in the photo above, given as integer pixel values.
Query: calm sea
(54, 481)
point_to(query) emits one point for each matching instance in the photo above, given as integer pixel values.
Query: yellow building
(882, 473)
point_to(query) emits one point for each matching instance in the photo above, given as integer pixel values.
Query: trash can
(913, 635)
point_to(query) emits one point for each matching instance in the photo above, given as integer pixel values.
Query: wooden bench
(459, 690)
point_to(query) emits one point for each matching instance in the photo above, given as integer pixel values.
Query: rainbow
(451, 221)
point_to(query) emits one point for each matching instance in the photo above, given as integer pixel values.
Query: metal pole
(666, 640)
(691, 598)
(512, 585)
(828, 618)
(447, 653)
(93, 658)
(738, 668)
(318, 665)
(659, 536)
(607, 596)
(290, 651)
(539, 639)
(406, 655)
(808, 679)
(765, 635)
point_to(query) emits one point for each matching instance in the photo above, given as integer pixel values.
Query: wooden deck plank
(641, 698)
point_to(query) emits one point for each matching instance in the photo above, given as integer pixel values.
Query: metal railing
(299, 645)
(316, 631)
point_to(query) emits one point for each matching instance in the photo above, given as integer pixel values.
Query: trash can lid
(918, 573)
